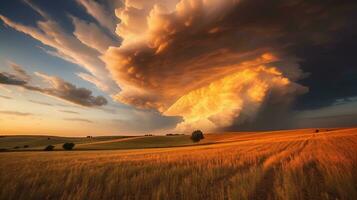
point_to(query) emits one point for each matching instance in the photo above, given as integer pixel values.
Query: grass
(139, 142)
(298, 164)
(40, 142)
(109, 142)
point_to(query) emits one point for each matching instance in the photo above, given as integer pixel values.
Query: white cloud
(91, 35)
(100, 13)
(66, 45)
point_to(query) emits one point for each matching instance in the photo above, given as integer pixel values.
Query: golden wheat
(298, 164)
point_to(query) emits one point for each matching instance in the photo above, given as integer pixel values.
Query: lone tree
(68, 146)
(49, 148)
(197, 135)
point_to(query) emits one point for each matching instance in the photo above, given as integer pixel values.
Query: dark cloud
(78, 120)
(19, 78)
(347, 120)
(333, 71)
(69, 92)
(59, 88)
(9, 79)
(15, 113)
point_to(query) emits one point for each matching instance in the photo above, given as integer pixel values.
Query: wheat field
(297, 164)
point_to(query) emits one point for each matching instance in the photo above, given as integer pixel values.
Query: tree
(68, 146)
(49, 148)
(197, 135)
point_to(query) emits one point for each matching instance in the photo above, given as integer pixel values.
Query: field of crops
(297, 164)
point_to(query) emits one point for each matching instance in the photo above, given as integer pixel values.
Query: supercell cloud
(215, 62)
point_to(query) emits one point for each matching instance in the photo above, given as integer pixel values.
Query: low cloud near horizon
(15, 113)
(78, 120)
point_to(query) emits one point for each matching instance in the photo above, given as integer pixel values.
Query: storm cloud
(216, 63)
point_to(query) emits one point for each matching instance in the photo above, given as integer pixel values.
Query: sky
(111, 67)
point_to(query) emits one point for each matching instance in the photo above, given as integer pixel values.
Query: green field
(16, 143)
(139, 142)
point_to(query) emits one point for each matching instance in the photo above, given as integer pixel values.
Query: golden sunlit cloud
(185, 59)
(219, 103)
